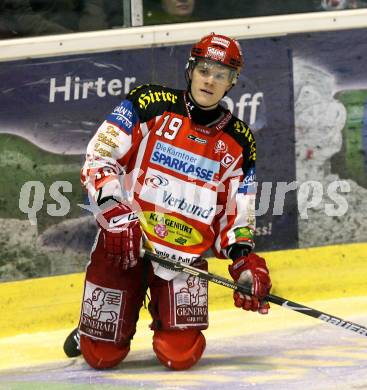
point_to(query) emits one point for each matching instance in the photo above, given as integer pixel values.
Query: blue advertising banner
(51, 107)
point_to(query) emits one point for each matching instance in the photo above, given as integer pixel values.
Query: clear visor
(220, 73)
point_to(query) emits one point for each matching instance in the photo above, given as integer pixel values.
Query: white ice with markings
(284, 350)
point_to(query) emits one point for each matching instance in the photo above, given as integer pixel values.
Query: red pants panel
(112, 301)
(112, 297)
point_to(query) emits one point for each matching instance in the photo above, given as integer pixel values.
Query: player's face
(209, 82)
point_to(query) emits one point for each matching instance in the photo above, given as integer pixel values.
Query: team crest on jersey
(220, 147)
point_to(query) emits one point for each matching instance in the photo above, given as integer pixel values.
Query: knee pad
(178, 349)
(100, 354)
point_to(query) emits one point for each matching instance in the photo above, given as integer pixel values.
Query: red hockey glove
(252, 271)
(122, 235)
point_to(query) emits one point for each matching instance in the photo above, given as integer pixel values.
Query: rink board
(47, 304)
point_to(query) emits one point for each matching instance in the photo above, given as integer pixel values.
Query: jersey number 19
(169, 128)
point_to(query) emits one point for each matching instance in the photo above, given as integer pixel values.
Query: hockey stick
(188, 269)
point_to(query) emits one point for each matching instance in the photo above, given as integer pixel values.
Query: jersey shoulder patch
(151, 100)
(123, 116)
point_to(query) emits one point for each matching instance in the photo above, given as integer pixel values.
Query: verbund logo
(184, 162)
(188, 199)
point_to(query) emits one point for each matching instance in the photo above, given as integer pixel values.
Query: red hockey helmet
(219, 48)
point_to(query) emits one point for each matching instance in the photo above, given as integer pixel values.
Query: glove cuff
(116, 216)
(235, 251)
(237, 267)
(251, 262)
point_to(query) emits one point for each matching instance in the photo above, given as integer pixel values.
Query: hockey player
(180, 167)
